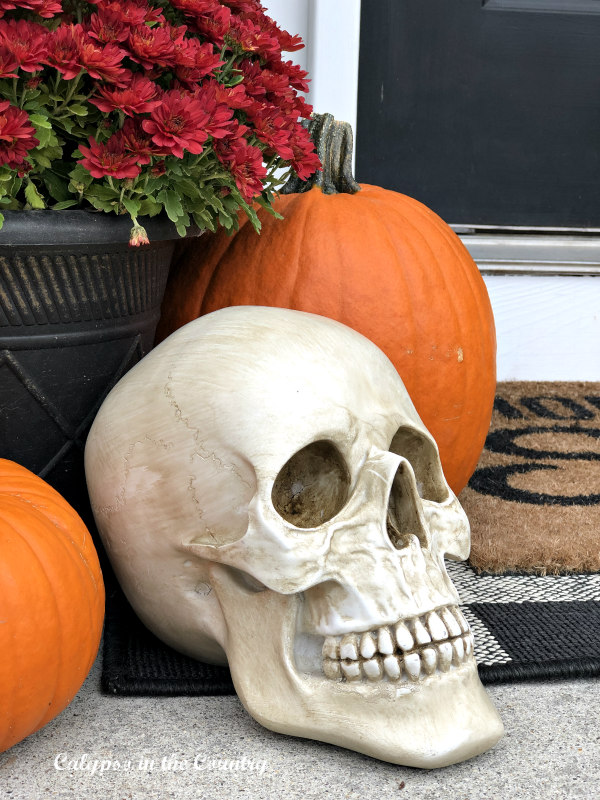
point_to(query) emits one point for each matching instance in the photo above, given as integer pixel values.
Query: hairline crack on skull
(269, 498)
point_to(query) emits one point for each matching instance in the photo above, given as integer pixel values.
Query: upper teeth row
(406, 635)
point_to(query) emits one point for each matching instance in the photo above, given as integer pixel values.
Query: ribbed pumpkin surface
(383, 264)
(51, 603)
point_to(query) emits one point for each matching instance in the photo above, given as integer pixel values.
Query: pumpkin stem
(334, 143)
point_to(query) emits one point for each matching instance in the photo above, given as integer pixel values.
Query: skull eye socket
(312, 487)
(424, 458)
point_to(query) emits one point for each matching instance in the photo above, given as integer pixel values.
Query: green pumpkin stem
(333, 143)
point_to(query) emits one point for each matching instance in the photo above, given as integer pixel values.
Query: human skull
(269, 498)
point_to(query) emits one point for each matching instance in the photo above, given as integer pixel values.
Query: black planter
(78, 308)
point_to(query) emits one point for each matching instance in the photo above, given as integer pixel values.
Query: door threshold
(527, 251)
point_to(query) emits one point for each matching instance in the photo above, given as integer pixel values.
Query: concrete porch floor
(551, 750)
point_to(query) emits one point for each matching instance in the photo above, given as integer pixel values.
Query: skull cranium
(269, 498)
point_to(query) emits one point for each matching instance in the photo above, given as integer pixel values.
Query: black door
(488, 111)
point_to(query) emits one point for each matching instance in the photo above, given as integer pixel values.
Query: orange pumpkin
(383, 264)
(51, 603)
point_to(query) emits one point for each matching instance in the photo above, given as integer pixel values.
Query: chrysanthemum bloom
(107, 27)
(5, 5)
(245, 163)
(26, 41)
(109, 159)
(194, 61)
(305, 160)
(137, 142)
(43, 8)
(140, 96)
(214, 24)
(64, 47)
(103, 62)
(178, 124)
(271, 127)
(16, 135)
(151, 47)
(8, 62)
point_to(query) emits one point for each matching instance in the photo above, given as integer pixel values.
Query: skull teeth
(411, 650)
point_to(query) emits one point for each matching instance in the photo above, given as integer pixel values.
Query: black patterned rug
(525, 628)
(534, 506)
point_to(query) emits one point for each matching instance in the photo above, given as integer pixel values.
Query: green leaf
(41, 160)
(57, 186)
(251, 213)
(172, 204)
(1, 221)
(33, 197)
(64, 204)
(103, 192)
(66, 124)
(79, 111)
(43, 130)
(188, 188)
(225, 220)
(39, 121)
(132, 206)
(149, 207)
(101, 205)
(80, 175)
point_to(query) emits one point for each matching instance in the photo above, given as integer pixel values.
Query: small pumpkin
(373, 259)
(51, 603)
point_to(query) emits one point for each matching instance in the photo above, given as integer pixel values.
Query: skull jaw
(436, 722)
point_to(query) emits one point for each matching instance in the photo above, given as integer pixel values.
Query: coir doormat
(534, 506)
(534, 500)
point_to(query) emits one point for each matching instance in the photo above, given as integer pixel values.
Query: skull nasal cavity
(313, 486)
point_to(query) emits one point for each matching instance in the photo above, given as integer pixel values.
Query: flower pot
(78, 308)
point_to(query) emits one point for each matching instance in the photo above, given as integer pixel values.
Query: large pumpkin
(51, 603)
(383, 264)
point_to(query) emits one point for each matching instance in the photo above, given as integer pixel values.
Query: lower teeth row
(412, 666)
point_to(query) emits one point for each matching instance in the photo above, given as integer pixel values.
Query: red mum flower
(220, 116)
(194, 61)
(294, 73)
(16, 135)
(129, 13)
(64, 48)
(103, 62)
(139, 97)
(151, 46)
(26, 41)
(45, 8)
(288, 42)
(214, 25)
(305, 160)
(233, 96)
(8, 62)
(246, 165)
(245, 36)
(5, 5)
(244, 6)
(109, 158)
(272, 128)
(107, 27)
(178, 123)
(137, 142)
(196, 8)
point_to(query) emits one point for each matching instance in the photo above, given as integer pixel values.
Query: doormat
(534, 500)
(525, 628)
(534, 506)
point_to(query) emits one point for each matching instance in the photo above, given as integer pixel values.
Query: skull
(270, 499)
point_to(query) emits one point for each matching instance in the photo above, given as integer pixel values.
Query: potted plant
(123, 125)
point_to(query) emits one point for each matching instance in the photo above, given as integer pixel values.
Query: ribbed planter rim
(79, 226)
